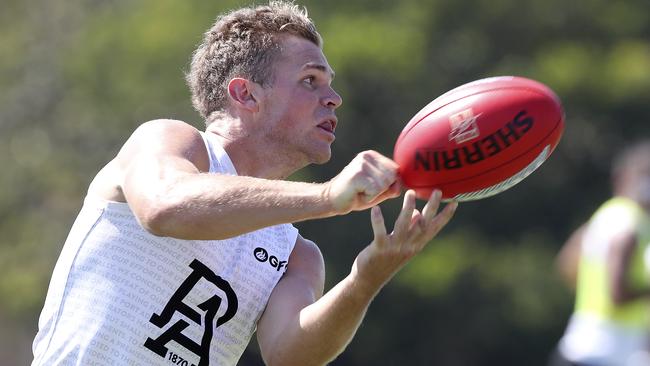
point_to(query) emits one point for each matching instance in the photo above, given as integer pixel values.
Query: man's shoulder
(307, 255)
(620, 209)
(166, 124)
(307, 248)
(165, 137)
(165, 133)
(306, 263)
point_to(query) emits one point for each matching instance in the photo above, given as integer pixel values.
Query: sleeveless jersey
(120, 295)
(599, 331)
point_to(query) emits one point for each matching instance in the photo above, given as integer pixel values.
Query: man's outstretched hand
(388, 253)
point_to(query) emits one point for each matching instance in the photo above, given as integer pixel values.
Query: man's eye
(309, 80)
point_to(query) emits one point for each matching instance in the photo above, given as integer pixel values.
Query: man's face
(642, 181)
(635, 180)
(297, 110)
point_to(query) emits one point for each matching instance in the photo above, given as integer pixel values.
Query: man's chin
(322, 157)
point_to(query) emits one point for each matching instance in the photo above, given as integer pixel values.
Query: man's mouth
(328, 125)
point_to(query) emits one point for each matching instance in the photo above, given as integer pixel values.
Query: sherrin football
(480, 138)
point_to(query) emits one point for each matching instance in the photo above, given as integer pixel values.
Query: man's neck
(248, 158)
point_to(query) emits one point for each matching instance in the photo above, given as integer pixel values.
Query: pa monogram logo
(205, 317)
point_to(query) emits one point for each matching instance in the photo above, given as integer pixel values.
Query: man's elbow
(157, 220)
(164, 218)
(176, 221)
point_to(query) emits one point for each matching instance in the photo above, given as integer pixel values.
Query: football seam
(405, 132)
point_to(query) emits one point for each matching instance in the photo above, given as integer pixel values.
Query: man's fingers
(415, 227)
(380, 175)
(430, 209)
(442, 218)
(381, 160)
(379, 183)
(416, 218)
(378, 226)
(403, 222)
(384, 175)
(369, 189)
(366, 181)
(393, 191)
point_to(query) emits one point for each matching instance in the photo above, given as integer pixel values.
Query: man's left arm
(299, 327)
(619, 263)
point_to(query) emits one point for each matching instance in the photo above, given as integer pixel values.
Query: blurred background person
(609, 259)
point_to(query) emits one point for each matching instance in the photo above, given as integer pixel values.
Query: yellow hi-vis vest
(593, 293)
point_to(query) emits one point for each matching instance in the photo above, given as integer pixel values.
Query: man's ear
(241, 92)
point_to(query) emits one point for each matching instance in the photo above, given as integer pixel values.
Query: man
(183, 247)
(611, 322)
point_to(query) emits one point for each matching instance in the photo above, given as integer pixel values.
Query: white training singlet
(122, 296)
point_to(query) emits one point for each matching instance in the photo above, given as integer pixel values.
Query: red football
(480, 138)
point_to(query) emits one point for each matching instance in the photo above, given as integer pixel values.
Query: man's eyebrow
(319, 67)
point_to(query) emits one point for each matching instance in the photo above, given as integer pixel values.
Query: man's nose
(332, 99)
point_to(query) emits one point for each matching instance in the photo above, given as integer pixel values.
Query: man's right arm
(162, 174)
(301, 327)
(619, 262)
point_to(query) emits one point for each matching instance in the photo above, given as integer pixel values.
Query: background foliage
(77, 76)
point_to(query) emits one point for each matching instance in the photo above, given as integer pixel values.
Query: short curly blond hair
(243, 43)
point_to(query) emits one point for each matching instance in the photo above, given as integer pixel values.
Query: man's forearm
(324, 328)
(212, 206)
